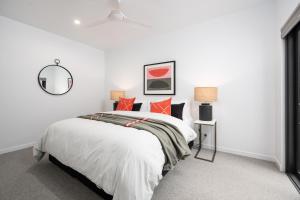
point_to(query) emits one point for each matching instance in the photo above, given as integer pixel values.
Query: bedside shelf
(206, 123)
(209, 123)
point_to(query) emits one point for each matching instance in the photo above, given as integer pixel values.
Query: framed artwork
(159, 78)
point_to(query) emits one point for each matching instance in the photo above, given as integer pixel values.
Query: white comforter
(125, 162)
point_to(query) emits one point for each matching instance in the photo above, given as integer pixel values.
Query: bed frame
(85, 180)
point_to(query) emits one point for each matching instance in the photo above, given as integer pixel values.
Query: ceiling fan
(116, 14)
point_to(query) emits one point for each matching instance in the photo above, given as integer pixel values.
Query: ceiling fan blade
(97, 23)
(131, 21)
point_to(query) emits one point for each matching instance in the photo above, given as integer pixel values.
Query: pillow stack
(125, 104)
(164, 107)
(136, 106)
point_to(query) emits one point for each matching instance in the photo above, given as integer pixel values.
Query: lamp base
(205, 112)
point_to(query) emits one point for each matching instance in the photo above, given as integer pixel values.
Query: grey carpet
(228, 178)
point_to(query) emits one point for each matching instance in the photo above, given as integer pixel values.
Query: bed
(123, 161)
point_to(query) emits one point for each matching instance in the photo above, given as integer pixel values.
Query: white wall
(284, 9)
(234, 52)
(26, 110)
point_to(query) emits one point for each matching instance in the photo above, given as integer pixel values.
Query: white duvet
(125, 162)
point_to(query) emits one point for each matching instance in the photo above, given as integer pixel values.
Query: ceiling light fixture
(77, 22)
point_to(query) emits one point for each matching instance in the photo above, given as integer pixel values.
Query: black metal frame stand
(200, 143)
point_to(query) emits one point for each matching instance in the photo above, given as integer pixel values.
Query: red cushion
(163, 107)
(125, 104)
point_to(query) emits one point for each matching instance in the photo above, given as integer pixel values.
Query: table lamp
(115, 95)
(205, 95)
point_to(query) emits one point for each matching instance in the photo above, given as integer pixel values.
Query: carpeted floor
(228, 178)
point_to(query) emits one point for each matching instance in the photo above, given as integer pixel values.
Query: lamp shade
(205, 94)
(116, 94)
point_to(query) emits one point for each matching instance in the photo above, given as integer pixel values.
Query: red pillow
(125, 104)
(163, 107)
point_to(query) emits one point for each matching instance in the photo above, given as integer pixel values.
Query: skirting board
(221, 149)
(246, 154)
(16, 148)
(279, 165)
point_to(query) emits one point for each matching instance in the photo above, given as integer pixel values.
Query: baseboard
(243, 153)
(221, 149)
(279, 165)
(16, 148)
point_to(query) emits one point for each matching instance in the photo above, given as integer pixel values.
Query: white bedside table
(206, 123)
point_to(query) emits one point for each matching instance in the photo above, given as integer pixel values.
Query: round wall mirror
(55, 79)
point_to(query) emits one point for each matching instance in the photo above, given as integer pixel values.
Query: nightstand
(206, 123)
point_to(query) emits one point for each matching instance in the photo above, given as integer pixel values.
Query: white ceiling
(57, 16)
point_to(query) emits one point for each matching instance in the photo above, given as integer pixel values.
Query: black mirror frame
(57, 61)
